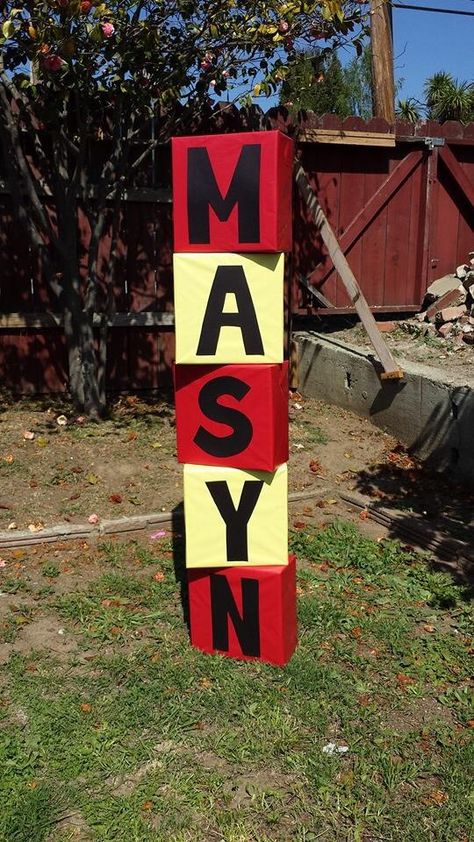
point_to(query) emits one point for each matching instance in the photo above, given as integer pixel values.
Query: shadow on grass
(438, 510)
(179, 558)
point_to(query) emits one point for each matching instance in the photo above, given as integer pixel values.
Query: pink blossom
(283, 27)
(93, 518)
(108, 30)
(156, 535)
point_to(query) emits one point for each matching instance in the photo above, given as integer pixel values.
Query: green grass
(145, 738)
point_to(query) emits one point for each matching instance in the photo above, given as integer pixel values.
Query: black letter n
(244, 191)
(223, 608)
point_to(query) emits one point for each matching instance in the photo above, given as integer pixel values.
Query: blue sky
(425, 42)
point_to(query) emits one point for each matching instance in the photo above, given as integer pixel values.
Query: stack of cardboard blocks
(232, 225)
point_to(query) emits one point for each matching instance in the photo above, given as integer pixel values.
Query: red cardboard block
(233, 192)
(232, 415)
(247, 613)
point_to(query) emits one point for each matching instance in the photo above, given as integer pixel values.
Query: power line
(433, 9)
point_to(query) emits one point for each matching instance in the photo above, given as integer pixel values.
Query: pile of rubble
(448, 307)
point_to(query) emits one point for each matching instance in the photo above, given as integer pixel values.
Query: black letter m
(244, 191)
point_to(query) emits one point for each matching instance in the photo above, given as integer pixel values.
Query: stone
(468, 338)
(443, 285)
(461, 272)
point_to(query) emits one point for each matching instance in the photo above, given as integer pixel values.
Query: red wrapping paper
(245, 178)
(249, 409)
(247, 613)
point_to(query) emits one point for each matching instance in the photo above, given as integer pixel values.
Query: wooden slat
(41, 321)
(346, 137)
(391, 370)
(381, 196)
(457, 172)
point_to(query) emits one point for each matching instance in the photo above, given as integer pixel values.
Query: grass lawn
(113, 728)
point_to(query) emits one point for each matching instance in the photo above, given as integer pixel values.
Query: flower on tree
(108, 29)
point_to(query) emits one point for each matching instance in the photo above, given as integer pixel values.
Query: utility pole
(383, 85)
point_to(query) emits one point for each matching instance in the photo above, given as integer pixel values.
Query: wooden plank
(346, 137)
(391, 370)
(381, 196)
(398, 234)
(42, 321)
(449, 159)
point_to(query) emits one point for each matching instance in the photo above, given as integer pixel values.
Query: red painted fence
(400, 200)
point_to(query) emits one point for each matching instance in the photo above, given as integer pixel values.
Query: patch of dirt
(248, 788)
(41, 634)
(128, 466)
(419, 714)
(407, 342)
(72, 826)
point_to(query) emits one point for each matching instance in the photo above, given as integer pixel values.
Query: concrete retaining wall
(430, 412)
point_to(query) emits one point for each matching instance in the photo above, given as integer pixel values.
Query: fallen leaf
(155, 658)
(37, 526)
(429, 629)
(132, 435)
(28, 435)
(299, 524)
(3, 562)
(12, 525)
(315, 466)
(86, 707)
(159, 577)
(404, 680)
(9, 459)
(92, 479)
(111, 603)
(156, 444)
(116, 630)
(470, 723)
(147, 806)
(364, 515)
(42, 441)
(437, 797)
(93, 518)
(115, 498)
(205, 682)
(356, 632)
(61, 420)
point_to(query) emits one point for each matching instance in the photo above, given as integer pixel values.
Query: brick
(387, 327)
(446, 330)
(450, 299)
(450, 314)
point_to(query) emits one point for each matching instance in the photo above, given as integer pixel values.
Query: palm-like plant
(449, 99)
(407, 110)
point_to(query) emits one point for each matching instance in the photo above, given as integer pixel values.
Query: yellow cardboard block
(235, 517)
(228, 308)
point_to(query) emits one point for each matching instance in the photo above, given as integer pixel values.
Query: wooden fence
(399, 198)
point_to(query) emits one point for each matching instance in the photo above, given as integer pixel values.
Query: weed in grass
(50, 570)
(14, 586)
(113, 552)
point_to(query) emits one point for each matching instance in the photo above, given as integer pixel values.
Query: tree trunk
(81, 344)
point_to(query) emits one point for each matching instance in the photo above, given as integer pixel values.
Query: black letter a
(229, 280)
(223, 608)
(244, 190)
